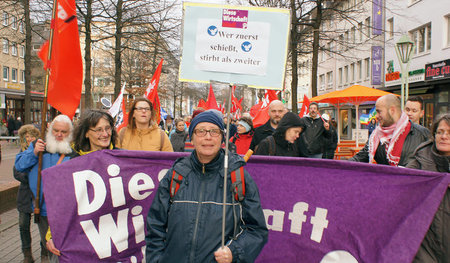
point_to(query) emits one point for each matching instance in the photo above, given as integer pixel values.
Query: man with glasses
(56, 149)
(184, 224)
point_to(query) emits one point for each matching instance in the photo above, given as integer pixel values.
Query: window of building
(340, 76)
(22, 51)
(5, 73)
(5, 46)
(448, 30)
(346, 74)
(422, 39)
(36, 47)
(330, 79)
(352, 72)
(359, 70)
(22, 76)
(360, 31)
(390, 28)
(21, 27)
(322, 81)
(341, 41)
(367, 64)
(14, 49)
(367, 24)
(353, 32)
(5, 18)
(14, 75)
(14, 22)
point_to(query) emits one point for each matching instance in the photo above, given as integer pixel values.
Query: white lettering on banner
(135, 189)
(319, 221)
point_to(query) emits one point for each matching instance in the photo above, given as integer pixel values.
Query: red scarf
(392, 138)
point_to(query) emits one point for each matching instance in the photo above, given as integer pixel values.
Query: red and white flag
(305, 107)
(152, 91)
(66, 66)
(117, 105)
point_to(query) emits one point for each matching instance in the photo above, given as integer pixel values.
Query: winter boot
(27, 256)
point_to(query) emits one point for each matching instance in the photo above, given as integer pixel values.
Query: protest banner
(234, 44)
(316, 210)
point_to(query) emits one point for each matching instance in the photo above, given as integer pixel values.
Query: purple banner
(235, 18)
(377, 56)
(377, 14)
(316, 210)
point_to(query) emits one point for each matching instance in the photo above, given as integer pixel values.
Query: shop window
(443, 96)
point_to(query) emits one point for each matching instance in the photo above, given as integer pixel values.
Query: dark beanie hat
(289, 120)
(206, 116)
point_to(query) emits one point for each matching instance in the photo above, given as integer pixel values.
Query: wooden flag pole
(37, 210)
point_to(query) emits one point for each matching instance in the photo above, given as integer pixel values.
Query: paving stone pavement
(10, 245)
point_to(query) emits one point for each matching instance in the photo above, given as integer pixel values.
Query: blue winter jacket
(28, 162)
(189, 227)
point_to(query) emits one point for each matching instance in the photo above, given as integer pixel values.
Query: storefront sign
(13, 86)
(393, 76)
(437, 70)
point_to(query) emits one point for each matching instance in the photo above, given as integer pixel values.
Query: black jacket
(417, 135)
(314, 135)
(24, 194)
(260, 134)
(277, 145)
(435, 246)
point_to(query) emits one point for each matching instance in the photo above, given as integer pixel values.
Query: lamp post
(404, 48)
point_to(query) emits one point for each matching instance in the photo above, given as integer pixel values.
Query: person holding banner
(184, 219)
(142, 132)
(282, 142)
(434, 155)
(94, 131)
(56, 149)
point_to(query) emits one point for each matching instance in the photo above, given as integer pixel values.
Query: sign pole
(225, 166)
(44, 116)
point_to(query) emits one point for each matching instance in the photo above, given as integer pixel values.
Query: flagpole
(225, 166)
(44, 115)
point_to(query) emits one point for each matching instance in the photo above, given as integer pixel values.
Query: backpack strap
(175, 186)
(272, 146)
(238, 184)
(162, 139)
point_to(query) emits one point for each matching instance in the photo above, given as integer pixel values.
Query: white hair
(54, 146)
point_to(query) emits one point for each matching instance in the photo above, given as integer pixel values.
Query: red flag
(202, 104)
(235, 102)
(211, 103)
(262, 116)
(152, 91)
(222, 107)
(66, 66)
(255, 109)
(122, 117)
(305, 106)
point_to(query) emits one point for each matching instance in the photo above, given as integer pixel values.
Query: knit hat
(206, 116)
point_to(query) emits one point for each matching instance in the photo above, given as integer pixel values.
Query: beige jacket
(144, 140)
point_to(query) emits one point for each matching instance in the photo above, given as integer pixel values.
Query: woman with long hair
(142, 132)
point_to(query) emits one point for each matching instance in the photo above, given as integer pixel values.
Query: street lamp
(404, 48)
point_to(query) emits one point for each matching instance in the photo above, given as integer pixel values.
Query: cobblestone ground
(10, 245)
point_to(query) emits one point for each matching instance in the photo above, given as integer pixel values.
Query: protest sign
(316, 210)
(234, 44)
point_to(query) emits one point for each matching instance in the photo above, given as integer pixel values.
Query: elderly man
(414, 109)
(55, 149)
(316, 131)
(276, 112)
(183, 221)
(394, 141)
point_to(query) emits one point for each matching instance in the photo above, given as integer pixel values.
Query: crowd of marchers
(396, 139)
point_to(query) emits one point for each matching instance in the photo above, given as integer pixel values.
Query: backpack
(272, 146)
(237, 184)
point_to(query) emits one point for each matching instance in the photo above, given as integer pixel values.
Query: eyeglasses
(212, 132)
(144, 109)
(441, 133)
(100, 131)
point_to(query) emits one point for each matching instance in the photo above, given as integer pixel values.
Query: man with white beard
(55, 150)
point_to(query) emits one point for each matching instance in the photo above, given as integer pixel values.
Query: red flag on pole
(305, 106)
(122, 117)
(152, 91)
(262, 116)
(202, 104)
(66, 66)
(211, 103)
